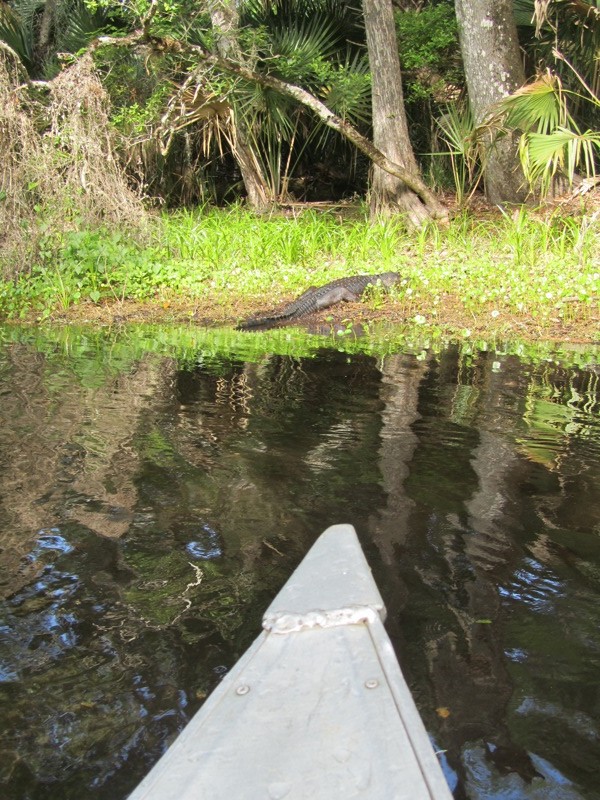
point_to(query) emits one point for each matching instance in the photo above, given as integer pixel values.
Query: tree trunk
(493, 68)
(390, 129)
(225, 20)
(43, 42)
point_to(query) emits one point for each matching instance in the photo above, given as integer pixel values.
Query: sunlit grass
(522, 264)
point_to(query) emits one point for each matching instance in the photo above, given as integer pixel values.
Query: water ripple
(534, 586)
(207, 547)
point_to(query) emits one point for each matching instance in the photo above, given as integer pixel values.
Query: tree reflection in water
(158, 488)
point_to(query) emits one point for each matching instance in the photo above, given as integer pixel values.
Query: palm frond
(551, 142)
(562, 152)
(296, 50)
(563, 32)
(457, 130)
(77, 26)
(16, 32)
(26, 11)
(539, 106)
(456, 127)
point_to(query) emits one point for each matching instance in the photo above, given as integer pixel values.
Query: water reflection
(534, 586)
(157, 491)
(208, 546)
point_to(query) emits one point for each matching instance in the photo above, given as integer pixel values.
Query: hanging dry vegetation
(58, 170)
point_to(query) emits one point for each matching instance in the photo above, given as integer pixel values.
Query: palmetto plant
(558, 111)
(306, 43)
(551, 142)
(457, 130)
(37, 30)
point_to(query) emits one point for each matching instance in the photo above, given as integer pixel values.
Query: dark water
(158, 487)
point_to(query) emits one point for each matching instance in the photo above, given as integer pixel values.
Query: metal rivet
(243, 689)
(372, 683)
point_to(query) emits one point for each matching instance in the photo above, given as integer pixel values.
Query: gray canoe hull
(316, 708)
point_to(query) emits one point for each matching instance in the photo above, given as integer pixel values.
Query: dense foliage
(186, 157)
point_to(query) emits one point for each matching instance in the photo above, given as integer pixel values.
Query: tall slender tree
(493, 69)
(390, 129)
(224, 16)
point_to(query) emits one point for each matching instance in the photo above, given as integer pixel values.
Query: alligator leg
(335, 296)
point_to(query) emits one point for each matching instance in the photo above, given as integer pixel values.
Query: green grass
(522, 265)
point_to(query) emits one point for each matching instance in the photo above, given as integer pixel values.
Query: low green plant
(457, 131)
(375, 295)
(523, 264)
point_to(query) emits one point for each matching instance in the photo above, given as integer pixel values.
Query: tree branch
(149, 16)
(305, 98)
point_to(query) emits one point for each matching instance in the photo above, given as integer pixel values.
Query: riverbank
(451, 319)
(527, 275)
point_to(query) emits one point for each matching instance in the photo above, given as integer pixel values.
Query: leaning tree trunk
(225, 20)
(390, 129)
(493, 68)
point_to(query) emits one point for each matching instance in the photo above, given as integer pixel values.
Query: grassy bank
(521, 275)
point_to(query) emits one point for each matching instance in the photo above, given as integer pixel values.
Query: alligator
(318, 297)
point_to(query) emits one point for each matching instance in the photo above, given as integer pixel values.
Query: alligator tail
(259, 322)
